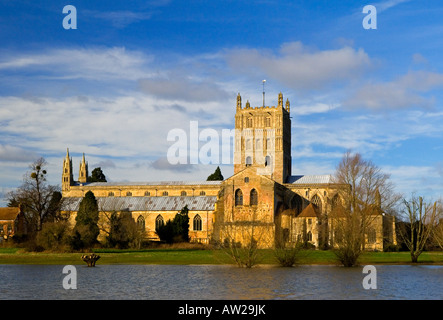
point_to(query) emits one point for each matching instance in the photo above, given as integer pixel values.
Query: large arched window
(238, 197)
(197, 223)
(253, 197)
(248, 161)
(159, 222)
(317, 202)
(141, 222)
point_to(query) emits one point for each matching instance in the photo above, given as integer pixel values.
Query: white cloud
(406, 91)
(77, 63)
(299, 67)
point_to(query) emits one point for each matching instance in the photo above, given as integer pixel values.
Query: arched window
(336, 201)
(248, 161)
(147, 193)
(372, 235)
(165, 193)
(248, 144)
(309, 236)
(141, 222)
(249, 123)
(267, 161)
(238, 197)
(317, 202)
(110, 194)
(129, 194)
(253, 197)
(183, 193)
(297, 204)
(268, 122)
(159, 222)
(197, 223)
(202, 193)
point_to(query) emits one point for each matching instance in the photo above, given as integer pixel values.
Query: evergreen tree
(87, 220)
(97, 175)
(176, 230)
(216, 176)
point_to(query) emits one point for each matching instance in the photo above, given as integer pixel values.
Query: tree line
(419, 223)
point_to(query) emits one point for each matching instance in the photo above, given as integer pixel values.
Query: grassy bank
(195, 256)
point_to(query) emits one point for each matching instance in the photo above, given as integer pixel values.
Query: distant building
(12, 221)
(262, 201)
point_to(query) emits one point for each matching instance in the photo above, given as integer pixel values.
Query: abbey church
(262, 201)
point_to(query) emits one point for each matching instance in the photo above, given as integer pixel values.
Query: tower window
(238, 197)
(147, 193)
(249, 123)
(253, 197)
(246, 179)
(110, 194)
(267, 161)
(183, 193)
(268, 122)
(248, 161)
(202, 193)
(165, 193)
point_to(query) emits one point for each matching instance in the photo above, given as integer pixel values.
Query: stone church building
(261, 202)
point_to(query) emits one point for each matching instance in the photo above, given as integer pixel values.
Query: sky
(132, 71)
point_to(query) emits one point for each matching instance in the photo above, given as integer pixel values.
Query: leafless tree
(421, 221)
(366, 193)
(36, 195)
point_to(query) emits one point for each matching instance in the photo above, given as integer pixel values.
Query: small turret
(238, 101)
(287, 105)
(280, 100)
(67, 176)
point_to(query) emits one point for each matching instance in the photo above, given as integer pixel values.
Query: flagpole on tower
(263, 81)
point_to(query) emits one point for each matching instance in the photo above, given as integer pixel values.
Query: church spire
(83, 172)
(67, 176)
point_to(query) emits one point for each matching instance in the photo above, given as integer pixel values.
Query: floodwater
(219, 282)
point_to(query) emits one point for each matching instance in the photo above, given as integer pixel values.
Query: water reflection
(219, 282)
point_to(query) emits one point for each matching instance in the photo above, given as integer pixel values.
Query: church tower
(83, 172)
(263, 139)
(67, 176)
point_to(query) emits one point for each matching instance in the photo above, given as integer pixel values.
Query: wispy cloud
(299, 67)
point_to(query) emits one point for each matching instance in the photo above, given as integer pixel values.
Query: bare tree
(437, 235)
(36, 195)
(369, 192)
(422, 219)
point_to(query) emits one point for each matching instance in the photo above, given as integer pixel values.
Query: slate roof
(153, 183)
(310, 179)
(194, 203)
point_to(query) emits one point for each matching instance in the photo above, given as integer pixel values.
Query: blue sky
(134, 70)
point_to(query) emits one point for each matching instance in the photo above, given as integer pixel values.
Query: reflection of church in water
(262, 200)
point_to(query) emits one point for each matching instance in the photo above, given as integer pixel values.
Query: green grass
(196, 256)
